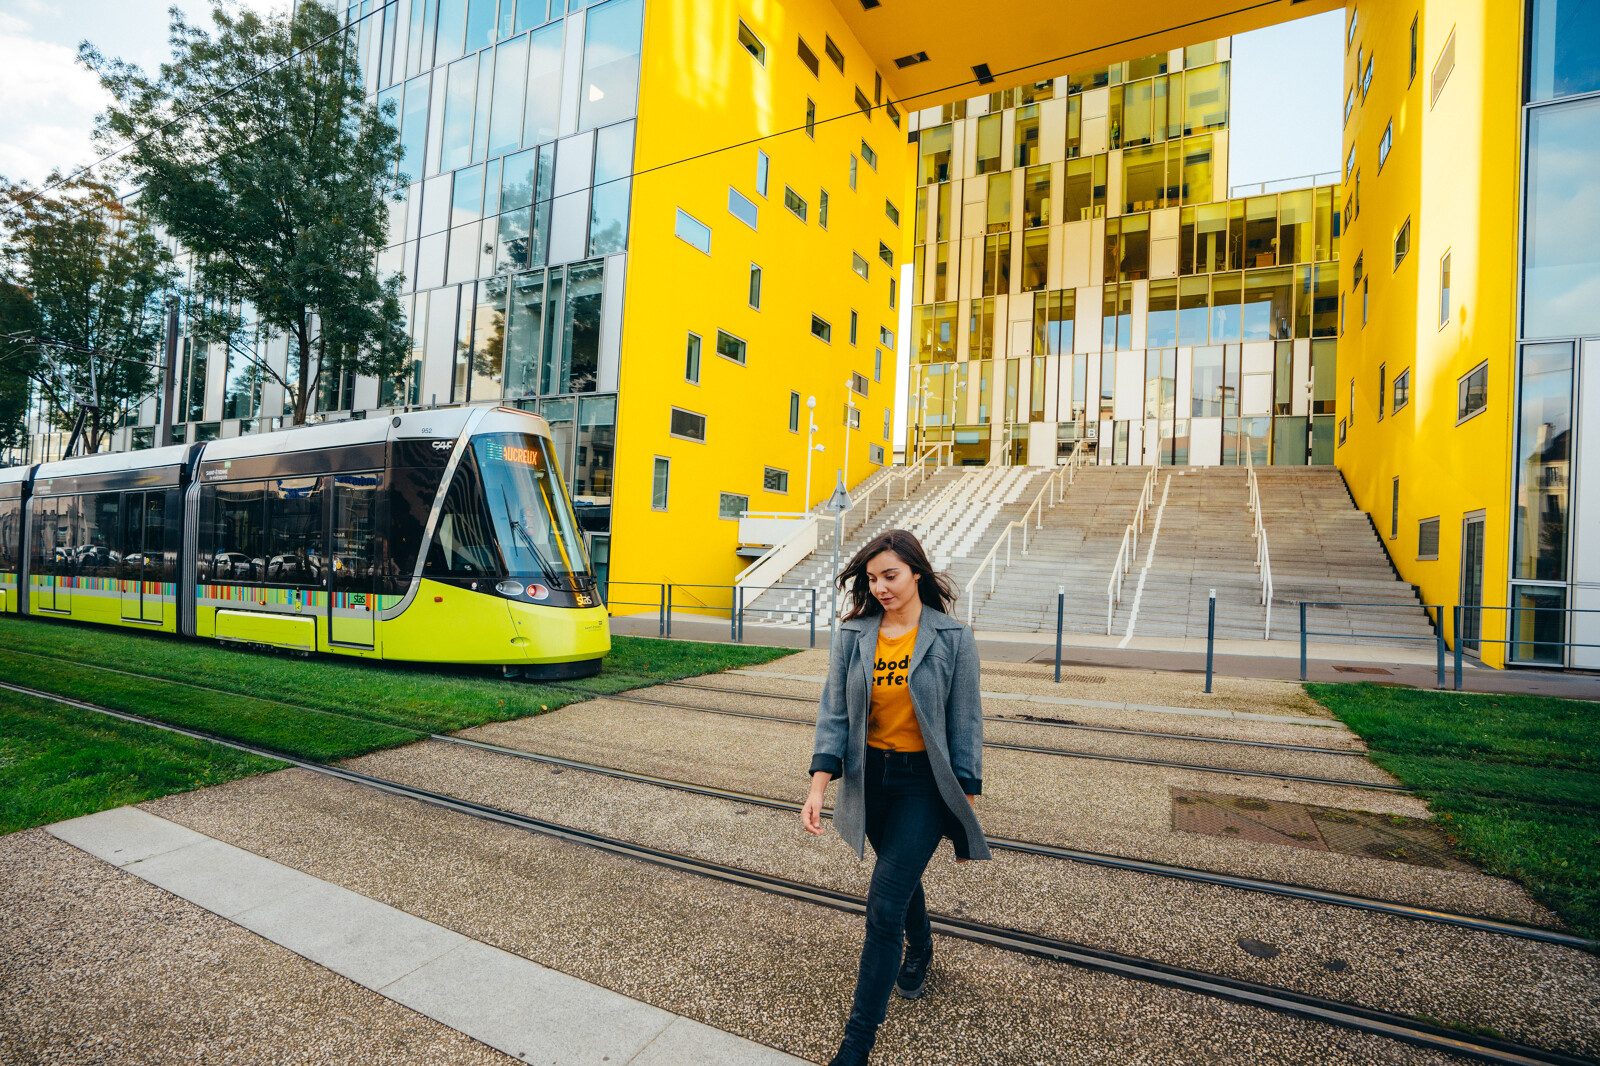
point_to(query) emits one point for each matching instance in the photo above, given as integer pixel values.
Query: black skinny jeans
(905, 821)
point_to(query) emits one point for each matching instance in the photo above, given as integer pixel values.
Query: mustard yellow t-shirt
(892, 723)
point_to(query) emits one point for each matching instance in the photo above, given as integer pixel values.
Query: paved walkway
(526, 1010)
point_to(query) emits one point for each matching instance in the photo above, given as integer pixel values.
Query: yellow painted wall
(699, 91)
(1453, 172)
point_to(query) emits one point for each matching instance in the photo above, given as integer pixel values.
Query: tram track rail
(1052, 723)
(1091, 858)
(1415, 1031)
(1066, 753)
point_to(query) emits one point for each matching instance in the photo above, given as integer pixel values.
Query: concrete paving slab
(222, 879)
(124, 835)
(689, 1043)
(369, 943)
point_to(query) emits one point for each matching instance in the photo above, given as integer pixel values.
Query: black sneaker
(848, 1055)
(914, 971)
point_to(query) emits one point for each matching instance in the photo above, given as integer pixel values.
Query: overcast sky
(1285, 120)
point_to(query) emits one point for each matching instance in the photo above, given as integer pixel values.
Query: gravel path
(97, 966)
(1537, 993)
(775, 971)
(1096, 806)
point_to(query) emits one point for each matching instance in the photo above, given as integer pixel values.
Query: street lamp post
(849, 406)
(811, 417)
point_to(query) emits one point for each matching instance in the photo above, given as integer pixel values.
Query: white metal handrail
(1055, 490)
(1130, 546)
(1258, 532)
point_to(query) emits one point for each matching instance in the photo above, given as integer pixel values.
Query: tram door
(52, 553)
(143, 545)
(352, 606)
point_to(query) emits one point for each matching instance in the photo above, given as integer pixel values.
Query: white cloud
(50, 107)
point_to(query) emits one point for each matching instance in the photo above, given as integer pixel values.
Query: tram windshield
(517, 488)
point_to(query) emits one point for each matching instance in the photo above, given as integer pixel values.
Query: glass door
(352, 601)
(1471, 584)
(133, 549)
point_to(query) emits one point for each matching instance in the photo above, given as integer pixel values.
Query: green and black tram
(435, 536)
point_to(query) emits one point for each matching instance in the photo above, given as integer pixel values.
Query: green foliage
(18, 361)
(278, 188)
(93, 273)
(1514, 780)
(58, 763)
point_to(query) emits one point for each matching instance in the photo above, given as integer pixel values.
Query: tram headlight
(509, 588)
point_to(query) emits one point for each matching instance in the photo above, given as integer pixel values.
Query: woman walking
(901, 723)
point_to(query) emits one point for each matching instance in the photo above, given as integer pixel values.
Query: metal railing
(1130, 546)
(1055, 489)
(737, 606)
(1300, 181)
(1437, 638)
(1259, 533)
(1535, 641)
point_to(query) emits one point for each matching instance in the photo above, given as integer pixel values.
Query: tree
(93, 273)
(256, 150)
(18, 357)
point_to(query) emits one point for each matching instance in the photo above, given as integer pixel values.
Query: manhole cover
(1298, 825)
(1362, 670)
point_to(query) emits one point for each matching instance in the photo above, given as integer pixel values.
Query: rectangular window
(1444, 290)
(731, 505)
(886, 254)
(1364, 304)
(885, 336)
(822, 209)
(892, 211)
(858, 384)
(893, 113)
(888, 423)
(858, 263)
(877, 364)
(869, 155)
(755, 287)
(741, 207)
(775, 480)
(811, 118)
(691, 360)
(659, 482)
(752, 44)
(1413, 75)
(1402, 389)
(834, 55)
(1394, 509)
(1355, 280)
(1442, 68)
(763, 166)
(1350, 34)
(892, 293)
(1349, 104)
(1350, 162)
(794, 412)
(1341, 431)
(1383, 377)
(792, 201)
(1402, 243)
(1384, 144)
(1472, 393)
(809, 58)
(1428, 539)
(730, 347)
(852, 416)
(875, 454)
(854, 320)
(1366, 79)
(688, 425)
(821, 329)
(852, 170)
(693, 231)
(862, 103)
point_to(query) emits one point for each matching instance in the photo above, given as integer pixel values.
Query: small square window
(858, 384)
(809, 58)
(793, 202)
(755, 287)
(693, 231)
(886, 253)
(688, 425)
(836, 56)
(742, 207)
(794, 412)
(731, 505)
(858, 263)
(763, 166)
(691, 361)
(875, 454)
(659, 483)
(1428, 539)
(852, 416)
(1402, 389)
(1402, 243)
(730, 347)
(822, 209)
(752, 43)
(870, 156)
(821, 329)
(886, 336)
(1472, 393)
(892, 211)
(775, 480)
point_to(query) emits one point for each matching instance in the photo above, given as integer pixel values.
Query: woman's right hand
(811, 813)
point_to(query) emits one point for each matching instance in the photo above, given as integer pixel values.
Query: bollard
(1061, 616)
(733, 613)
(813, 618)
(669, 608)
(1438, 633)
(1302, 640)
(661, 616)
(1458, 646)
(1211, 636)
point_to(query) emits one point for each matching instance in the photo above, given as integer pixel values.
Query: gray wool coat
(943, 679)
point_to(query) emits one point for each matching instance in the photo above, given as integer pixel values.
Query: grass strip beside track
(428, 698)
(58, 763)
(1514, 780)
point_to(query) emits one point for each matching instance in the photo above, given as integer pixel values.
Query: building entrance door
(1471, 583)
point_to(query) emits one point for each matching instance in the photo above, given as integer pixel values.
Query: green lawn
(1514, 780)
(57, 762)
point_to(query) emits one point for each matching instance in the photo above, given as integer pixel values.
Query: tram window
(157, 567)
(463, 542)
(355, 535)
(417, 469)
(97, 541)
(528, 503)
(237, 545)
(10, 535)
(294, 540)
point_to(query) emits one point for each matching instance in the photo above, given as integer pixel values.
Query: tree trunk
(302, 390)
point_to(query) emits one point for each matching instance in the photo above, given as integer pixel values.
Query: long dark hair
(934, 589)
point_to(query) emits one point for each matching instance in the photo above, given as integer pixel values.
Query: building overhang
(1017, 41)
